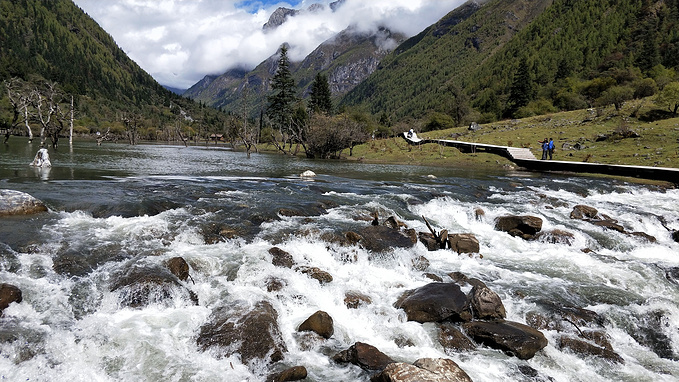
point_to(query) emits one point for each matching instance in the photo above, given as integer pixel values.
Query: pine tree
(282, 96)
(521, 91)
(320, 95)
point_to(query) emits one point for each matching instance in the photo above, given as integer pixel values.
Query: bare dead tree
(247, 132)
(19, 97)
(132, 122)
(46, 100)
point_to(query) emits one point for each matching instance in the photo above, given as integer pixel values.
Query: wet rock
(307, 174)
(564, 318)
(281, 258)
(249, 331)
(486, 304)
(354, 300)
(363, 355)
(9, 294)
(451, 338)
(323, 277)
(382, 238)
(274, 284)
(79, 262)
(429, 241)
(423, 370)
(141, 286)
(19, 203)
(353, 237)
(434, 302)
(433, 277)
(584, 212)
(479, 214)
(179, 267)
(320, 323)
(420, 263)
(463, 243)
(522, 226)
(556, 236)
(675, 236)
(609, 224)
(587, 349)
(394, 223)
(513, 338)
(296, 373)
(644, 236)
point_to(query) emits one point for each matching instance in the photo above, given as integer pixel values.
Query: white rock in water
(430, 176)
(308, 174)
(42, 158)
(19, 203)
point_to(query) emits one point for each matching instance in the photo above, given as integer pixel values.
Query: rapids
(116, 205)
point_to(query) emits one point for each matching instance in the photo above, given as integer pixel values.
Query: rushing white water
(74, 328)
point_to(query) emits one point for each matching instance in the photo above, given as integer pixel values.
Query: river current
(116, 205)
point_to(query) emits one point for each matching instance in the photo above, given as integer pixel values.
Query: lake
(115, 207)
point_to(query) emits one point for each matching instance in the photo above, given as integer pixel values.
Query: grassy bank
(597, 136)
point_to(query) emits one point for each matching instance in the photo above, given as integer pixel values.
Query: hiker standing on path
(550, 148)
(545, 148)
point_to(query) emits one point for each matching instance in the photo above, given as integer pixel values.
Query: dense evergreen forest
(517, 58)
(54, 42)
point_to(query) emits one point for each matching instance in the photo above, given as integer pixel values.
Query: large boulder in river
(486, 304)
(382, 238)
(584, 212)
(281, 258)
(365, 356)
(249, 331)
(179, 267)
(513, 338)
(522, 226)
(9, 294)
(463, 243)
(144, 285)
(19, 203)
(320, 323)
(423, 370)
(434, 302)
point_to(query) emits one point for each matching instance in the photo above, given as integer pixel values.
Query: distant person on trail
(550, 148)
(545, 148)
(410, 133)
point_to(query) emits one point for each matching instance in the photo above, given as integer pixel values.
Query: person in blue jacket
(545, 148)
(550, 148)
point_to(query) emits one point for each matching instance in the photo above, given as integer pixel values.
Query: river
(116, 205)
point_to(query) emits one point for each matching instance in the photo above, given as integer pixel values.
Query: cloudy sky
(178, 42)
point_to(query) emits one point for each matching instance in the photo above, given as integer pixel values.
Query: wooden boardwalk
(525, 158)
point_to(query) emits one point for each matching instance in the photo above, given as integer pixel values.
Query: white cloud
(180, 41)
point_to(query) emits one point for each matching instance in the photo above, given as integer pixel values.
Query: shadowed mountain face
(347, 59)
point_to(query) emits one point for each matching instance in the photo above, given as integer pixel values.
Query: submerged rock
(249, 331)
(365, 356)
(514, 338)
(434, 302)
(423, 370)
(19, 203)
(354, 300)
(584, 212)
(141, 286)
(587, 349)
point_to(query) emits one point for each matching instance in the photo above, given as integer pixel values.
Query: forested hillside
(515, 58)
(55, 42)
